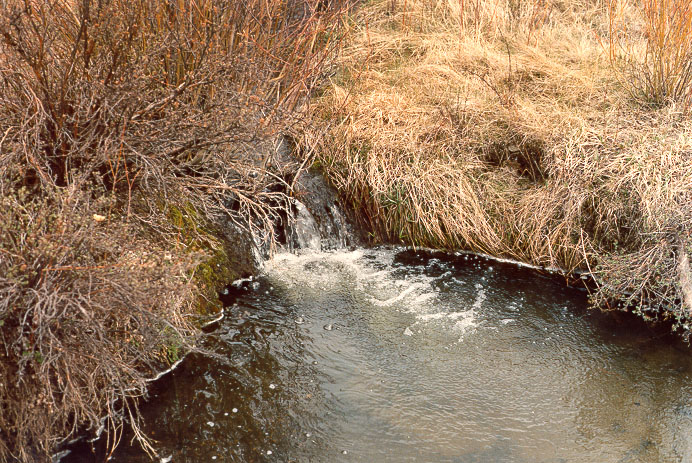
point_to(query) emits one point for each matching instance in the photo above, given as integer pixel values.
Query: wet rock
(242, 251)
(312, 192)
(335, 230)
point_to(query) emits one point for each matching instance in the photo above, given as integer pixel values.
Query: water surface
(393, 355)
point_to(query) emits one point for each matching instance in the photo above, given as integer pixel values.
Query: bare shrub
(88, 309)
(113, 116)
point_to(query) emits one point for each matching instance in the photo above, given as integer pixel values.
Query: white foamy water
(381, 284)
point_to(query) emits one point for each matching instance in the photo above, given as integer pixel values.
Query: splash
(375, 278)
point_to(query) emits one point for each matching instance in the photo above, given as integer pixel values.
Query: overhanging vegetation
(129, 130)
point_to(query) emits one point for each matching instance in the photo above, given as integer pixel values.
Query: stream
(396, 355)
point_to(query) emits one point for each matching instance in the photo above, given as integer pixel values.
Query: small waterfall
(305, 233)
(318, 222)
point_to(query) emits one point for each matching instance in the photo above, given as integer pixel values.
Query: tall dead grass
(658, 69)
(127, 129)
(475, 125)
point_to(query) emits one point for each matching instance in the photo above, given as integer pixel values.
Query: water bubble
(345, 452)
(269, 452)
(272, 386)
(225, 414)
(235, 410)
(300, 321)
(213, 457)
(308, 434)
(328, 327)
(314, 362)
(210, 423)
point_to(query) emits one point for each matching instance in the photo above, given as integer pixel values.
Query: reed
(660, 72)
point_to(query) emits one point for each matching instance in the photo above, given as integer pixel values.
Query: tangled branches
(113, 115)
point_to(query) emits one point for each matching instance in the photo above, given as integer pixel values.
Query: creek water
(393, 355)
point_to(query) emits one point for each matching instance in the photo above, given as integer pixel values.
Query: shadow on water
(236, 405)
(396, 355)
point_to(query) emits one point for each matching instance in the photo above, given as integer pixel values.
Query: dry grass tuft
(499, 126)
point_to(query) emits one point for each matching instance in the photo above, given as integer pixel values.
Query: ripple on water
(394, 355)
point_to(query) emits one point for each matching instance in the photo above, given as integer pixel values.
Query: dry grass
(500, 126)
(126, 129)
(657, 70)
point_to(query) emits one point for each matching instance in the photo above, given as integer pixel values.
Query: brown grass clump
(501, 127)
(127, 128)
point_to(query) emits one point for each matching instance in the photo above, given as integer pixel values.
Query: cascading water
(393, 355)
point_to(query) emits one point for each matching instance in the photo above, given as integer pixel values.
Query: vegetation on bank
(553, 132)
(549, 131)
(130, 132)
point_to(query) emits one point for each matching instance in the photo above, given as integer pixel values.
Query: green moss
(197, 234)
(211, 276)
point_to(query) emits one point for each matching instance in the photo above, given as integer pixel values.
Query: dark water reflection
(398, 356)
